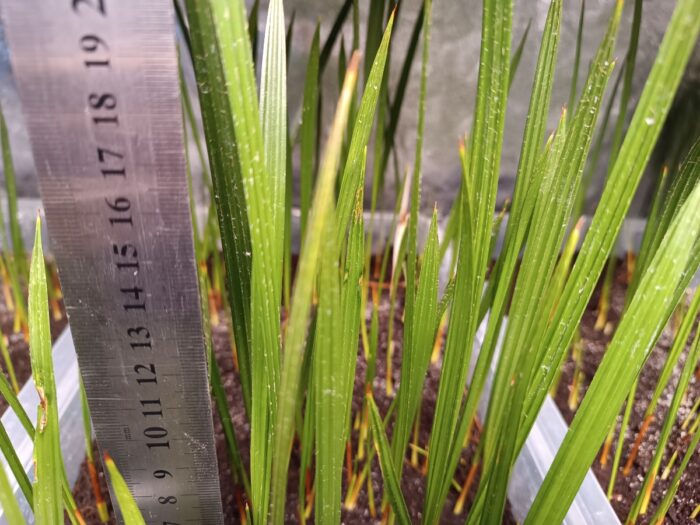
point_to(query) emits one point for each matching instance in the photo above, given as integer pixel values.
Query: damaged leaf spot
(43, 409)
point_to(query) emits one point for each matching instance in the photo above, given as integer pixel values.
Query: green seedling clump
(303, 316)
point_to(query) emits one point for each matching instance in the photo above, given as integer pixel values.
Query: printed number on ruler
(118, 213)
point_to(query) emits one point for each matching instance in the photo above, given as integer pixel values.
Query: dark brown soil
(627, 487)
(413, 478)
(413, 481)
(85, 498)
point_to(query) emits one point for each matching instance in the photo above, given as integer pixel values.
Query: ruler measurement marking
(126, 254)
(143, 345)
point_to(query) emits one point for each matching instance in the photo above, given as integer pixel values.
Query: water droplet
(649, 121)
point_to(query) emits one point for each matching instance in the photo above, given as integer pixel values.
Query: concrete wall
(452, 82)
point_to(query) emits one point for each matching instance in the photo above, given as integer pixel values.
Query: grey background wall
(451, 86)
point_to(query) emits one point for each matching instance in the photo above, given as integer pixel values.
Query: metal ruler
(98, 83)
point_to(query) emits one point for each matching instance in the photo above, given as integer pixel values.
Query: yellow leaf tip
(354, 64)
(102, 512)
(393, 12)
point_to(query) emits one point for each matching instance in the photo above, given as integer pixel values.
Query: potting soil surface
(627, 487)
(413, 481)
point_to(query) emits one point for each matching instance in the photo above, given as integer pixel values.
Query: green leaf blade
(665, 504)
(412, 228)
(416, 358)
(540, 255)
(639, 329)
(16, 466)
(264, 191)
(671, 414)
(351, 299)
(554, 202)
(48, 508)
(392, 481)
(360, 136)
(329, 378)
(476, 220)
(130, 510)
(273, 113)
(301, 299)
(528, 179)
(227, 180)
(308, 131)
(646, 124)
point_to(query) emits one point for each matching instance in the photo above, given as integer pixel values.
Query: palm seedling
(296, 327)
(547, 172)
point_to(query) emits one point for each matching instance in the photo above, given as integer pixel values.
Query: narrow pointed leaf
(360, 136)
(127, 505)
(665, 504)
(681, 186)
(14, 256)
(48, 508)
(263, 185)
(375, 20)
(253, 30)
(308, 131)
(674, 354)
(16, 466)
(329, 379)
(528, 182)
(553, 206)
(671, 416)
(644, 129)
(476, 222)
(334, 33)
(273, 112)
(412, 229)
(301, 299)
(540, 255)
(227, 179)
(577, 57)
(515, 59)
(630, 62)
(351, 299)
(649, 310)
(416, 358)
(392, 482)
(401, 85)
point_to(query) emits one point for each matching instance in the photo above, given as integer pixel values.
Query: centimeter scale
(98, 82)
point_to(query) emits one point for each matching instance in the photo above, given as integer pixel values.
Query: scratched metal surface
(120, 229)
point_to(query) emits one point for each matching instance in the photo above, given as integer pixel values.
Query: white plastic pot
(70, 415)
(591, 506)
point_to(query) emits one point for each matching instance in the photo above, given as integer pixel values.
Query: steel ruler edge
(98, 84)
